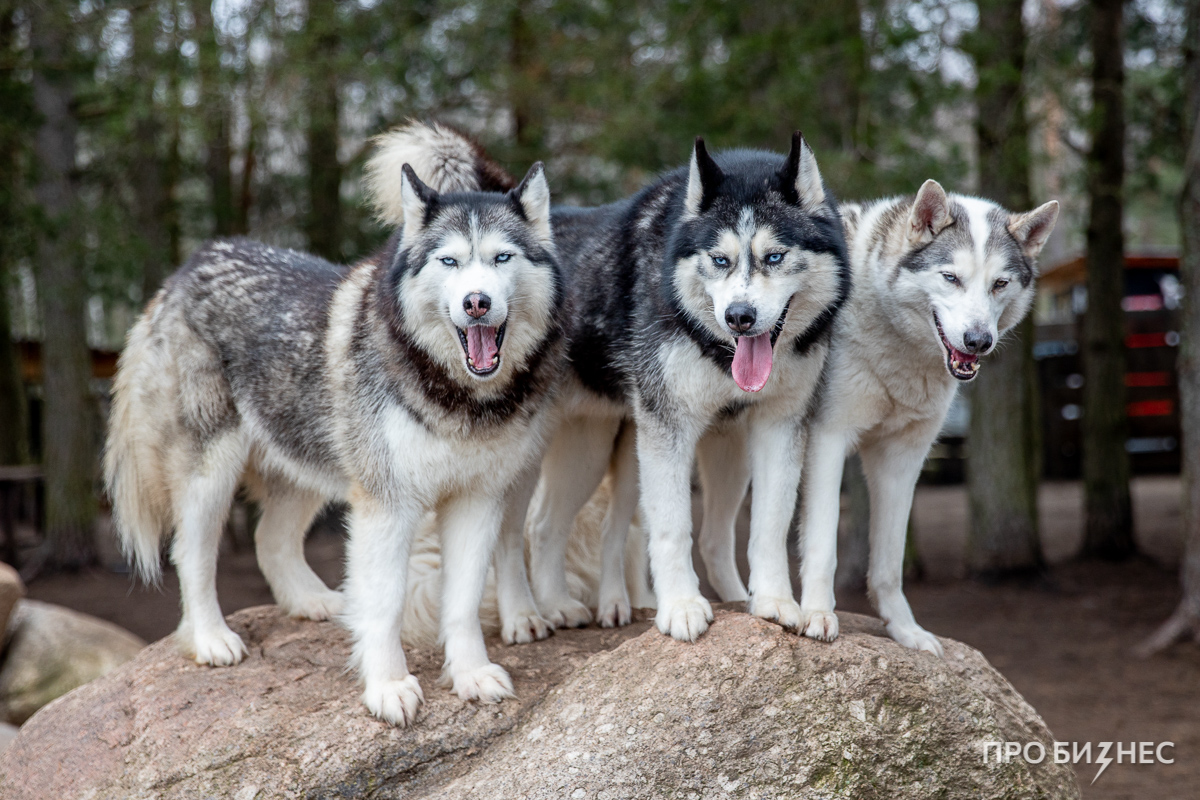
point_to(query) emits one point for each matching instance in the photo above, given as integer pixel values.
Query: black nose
(740, 317)
(476, 304)
(977, 340)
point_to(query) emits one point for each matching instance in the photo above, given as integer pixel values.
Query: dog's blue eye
(950, 278)
(720, 261)
(500, 259)
(449, 262)
(774, 258)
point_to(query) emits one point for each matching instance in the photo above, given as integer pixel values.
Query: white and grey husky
(937, 281)
(419, 380)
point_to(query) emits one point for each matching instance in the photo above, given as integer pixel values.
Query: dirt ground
(1063, 640)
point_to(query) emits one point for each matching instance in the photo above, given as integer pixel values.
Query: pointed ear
(930, 213)
(800, 177)
(1033, 228)
(533, 195)
(704, 177)
(417, 200)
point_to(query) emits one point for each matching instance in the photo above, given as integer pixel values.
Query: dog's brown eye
(999, 284)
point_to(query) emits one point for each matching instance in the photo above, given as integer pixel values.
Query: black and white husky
(938, 280)
(419, 380)
(702, 309)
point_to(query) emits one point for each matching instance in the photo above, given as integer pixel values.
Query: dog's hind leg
(724, 476)
(520, 621)
(613, 609)
(287, 514)
(573, 467)
(205, 497)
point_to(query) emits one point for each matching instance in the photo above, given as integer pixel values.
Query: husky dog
(938, 280)
(703, 307)
(418, 380)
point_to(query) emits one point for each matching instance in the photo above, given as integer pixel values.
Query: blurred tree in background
(134, 129)
(1005, 426)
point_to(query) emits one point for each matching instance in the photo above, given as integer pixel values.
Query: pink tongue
(752, 362)
(965, 358)
(481, 346)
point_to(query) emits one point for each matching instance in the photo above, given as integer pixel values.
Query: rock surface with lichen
(749, 711)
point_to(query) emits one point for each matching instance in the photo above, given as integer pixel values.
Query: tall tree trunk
(1109, 527)
(14, 433)
(151, 192)
(69, 452)
(1003, 469)
(525, 74)
(324, 226)
(1186, 619)
(214, 110)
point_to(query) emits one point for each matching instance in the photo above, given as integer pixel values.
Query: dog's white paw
(783, 610)
(487, 684)
(524, 628)
(394, 702)
(819, 625)
(614, 613)
(684, 619)
(916, 637)
(318, 606)
(217, 646)
(565, 612)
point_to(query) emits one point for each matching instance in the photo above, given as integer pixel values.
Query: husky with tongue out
(701, 314)
(938, 279)
(419, 380)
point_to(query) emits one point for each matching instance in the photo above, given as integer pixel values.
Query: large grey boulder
(748, 711)
(50, 650)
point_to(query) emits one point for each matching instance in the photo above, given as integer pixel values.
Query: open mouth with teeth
(963, 366)
(481, 345)
(753, 356)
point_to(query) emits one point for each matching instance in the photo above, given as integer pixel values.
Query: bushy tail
(135, 472)
(444, 158)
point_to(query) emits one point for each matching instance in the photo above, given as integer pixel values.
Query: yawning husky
(419, 380)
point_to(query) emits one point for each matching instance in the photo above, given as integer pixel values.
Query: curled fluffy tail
(444, 158)
(134, 470)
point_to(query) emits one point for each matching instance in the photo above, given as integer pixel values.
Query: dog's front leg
(520, 622)
(892, 468)
(470, 524)
(826, 458)
(776, 451)
(665, 455)
(377, 552)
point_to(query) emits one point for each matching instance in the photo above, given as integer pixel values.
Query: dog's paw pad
(487, 684)
(819, 625)
(566, 612)
(525, 628)
(218, 647)
(614, 614)
(916, 637)
(317, 606)
(395, 702)
(684, 619)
